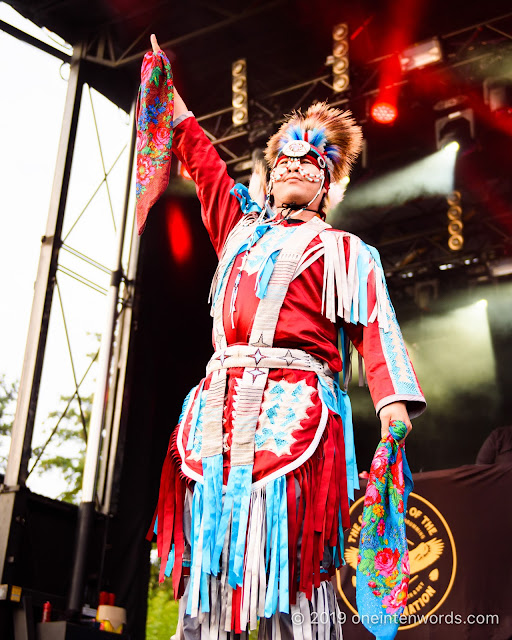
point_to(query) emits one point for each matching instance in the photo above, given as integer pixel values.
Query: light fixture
(455, 224)
(340, 60)
(239, 92)
(384, 112)
(421, 55)
(498, 95)
(500, 266)
(451, 147)
(453, 198)
(458, 126)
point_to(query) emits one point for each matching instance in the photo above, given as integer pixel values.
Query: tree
(68, 438)
(162, 616)
(8, 393)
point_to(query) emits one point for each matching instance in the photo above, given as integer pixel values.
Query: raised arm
(179, 106)
(220, 210)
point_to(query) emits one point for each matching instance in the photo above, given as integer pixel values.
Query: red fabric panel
(179, 540)
(306, 572)
(166, 512)
(325, 483)
(235, 611)
(292, 535)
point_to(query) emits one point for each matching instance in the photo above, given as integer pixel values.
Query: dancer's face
(296, 180)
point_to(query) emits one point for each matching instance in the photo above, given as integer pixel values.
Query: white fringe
(341, 281)
(308, 257)
(255, 584)
(258, 184)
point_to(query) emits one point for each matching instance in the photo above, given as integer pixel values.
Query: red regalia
(263, 455)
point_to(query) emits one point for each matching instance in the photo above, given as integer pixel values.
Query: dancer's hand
(393, 411)
(154, 43)
(179, 106)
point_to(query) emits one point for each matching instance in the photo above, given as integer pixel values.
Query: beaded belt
(266, 358)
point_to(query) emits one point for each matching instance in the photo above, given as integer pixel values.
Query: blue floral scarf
(383, 560)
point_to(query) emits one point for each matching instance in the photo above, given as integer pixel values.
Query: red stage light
(179, 233)
(384, 112)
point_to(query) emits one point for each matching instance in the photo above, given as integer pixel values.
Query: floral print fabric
(155, 109)
(383, 560)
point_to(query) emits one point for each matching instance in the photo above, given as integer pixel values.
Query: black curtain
(170, 345)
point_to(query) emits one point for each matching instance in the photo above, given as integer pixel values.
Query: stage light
(384, 112)
(239, 100)
(453, 198)
(340, 60)
(452, 147)
(455, 224)
(498, 95)
(500, 266)
(179, 233)
(458, 126)
(420, 55)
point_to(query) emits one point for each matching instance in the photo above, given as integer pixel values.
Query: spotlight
(420, 55)
(340, 61)
(455, 225)
(239, 96)
(498, 95)
(384, 112)
(458, 126)
(451, 147)
(453, 197)
(500, 266)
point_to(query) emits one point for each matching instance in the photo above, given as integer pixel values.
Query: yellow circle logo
(432, 556)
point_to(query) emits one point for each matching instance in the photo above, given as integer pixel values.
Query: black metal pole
(86, 511)
(85, 525)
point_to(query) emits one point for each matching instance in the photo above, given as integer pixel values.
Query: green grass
(162, 615)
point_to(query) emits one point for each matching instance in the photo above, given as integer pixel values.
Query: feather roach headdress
(332, 132)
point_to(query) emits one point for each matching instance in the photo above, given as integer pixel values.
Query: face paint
(299, 156)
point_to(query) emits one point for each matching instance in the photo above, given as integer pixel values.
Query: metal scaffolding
(104, 430)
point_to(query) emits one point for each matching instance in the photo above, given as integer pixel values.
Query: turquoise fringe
(212, 506)
(247, 204)
(265, 273)
(277, 548)
(236, 511)
(342, 407)
(195, 416)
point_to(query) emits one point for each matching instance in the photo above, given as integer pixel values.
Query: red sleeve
(389, 370)
(220, 210)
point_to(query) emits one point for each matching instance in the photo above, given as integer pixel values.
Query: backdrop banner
(459, 526)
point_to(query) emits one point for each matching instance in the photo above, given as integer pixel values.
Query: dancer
(255, 486)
